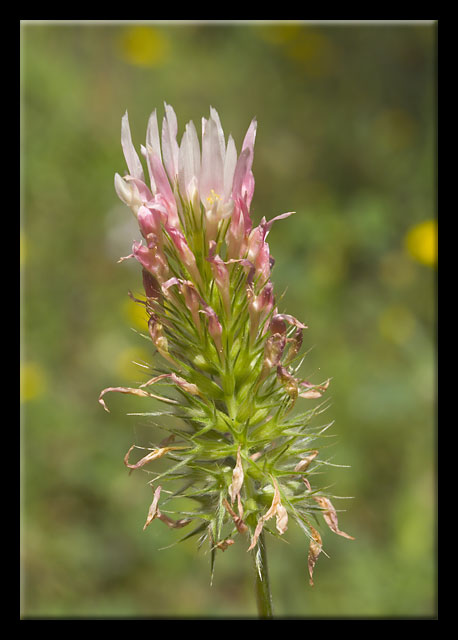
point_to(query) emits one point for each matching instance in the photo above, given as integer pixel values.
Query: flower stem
(263, 596)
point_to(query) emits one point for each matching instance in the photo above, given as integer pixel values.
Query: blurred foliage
(347, 139)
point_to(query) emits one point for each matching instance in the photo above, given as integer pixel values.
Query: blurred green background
(346, 138)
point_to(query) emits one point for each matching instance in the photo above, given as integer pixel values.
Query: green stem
(263, 596)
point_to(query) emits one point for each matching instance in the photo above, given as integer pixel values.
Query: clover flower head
(227, 360)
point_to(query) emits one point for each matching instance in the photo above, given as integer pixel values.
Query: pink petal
(127, 192)
(247, 186)
(152, 134)
(188, 159)
(241, 169)
(262, 264)
(153, 145)
(164, 189)
(212, 163)
(143, 191)
(230, 162)
(149, 222)
(268, 225)
(169, 142)
(152, 259)
(133, 161)
(215, 116)
(250, 136)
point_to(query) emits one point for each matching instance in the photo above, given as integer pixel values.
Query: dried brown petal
(307, 483)
(224, 544)
(257, 533)
(134, 392)
(240, 525)
(157, 336)
(237, 478)
(288, 381)
(275, 502)
(296, 344)
(310, 394)
(181, 382)
(313, 390)
(314, 551)
(152, 455)
(190, 387)
(304, 463)
(276, 509)
(153, 380)
(173, 524)
(153, 511)
(282, 519)
(330, 516)
(273, 352)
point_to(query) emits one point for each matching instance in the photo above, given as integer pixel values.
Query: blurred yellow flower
(135, 314)
(32, 381)
(144, 46)
(421, 242)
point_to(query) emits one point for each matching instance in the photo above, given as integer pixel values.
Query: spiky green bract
(227, 361)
